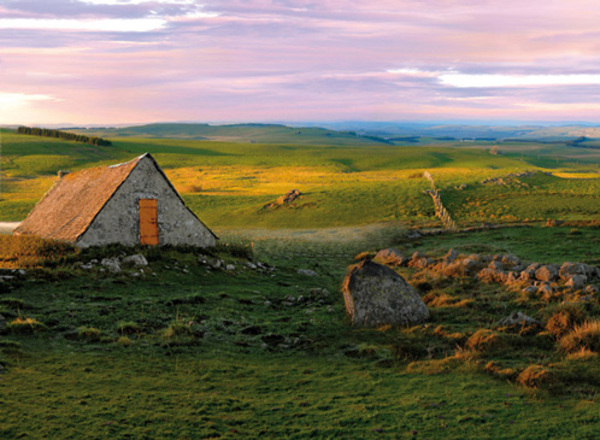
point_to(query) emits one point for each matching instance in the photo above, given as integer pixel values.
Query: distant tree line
(35, 131)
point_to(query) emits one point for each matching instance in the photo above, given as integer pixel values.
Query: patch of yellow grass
(20, 320)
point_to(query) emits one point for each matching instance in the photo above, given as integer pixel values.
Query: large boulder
(375, 295)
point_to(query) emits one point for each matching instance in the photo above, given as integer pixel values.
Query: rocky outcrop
(392, 257)
(375, 295)
(547, 280)
(284, 200)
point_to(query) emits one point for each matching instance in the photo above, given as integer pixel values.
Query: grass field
(183, 352)
(191, 354)
(227, 184)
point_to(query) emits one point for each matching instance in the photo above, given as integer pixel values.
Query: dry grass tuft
(584, 336)
(536, 376)
(441, 299)
(26, 251)
(583, 354)
(485, 340)
(564, 319)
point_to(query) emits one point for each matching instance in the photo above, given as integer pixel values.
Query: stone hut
(130, 203)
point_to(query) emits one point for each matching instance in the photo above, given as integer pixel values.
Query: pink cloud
(267, 60)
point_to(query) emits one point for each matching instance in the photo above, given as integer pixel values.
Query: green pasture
(228, 183)
(182, 354)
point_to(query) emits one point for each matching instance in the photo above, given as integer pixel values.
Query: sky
(218, 61)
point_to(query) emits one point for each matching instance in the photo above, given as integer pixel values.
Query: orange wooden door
(148, 222)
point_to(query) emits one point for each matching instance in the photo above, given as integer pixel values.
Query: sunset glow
(133, 61)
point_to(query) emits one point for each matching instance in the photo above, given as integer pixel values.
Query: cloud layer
(122, 61)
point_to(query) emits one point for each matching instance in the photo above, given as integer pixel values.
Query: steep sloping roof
(69, 207)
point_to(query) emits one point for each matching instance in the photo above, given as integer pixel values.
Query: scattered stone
(112, 264)
(530, 289)
(533, 267)
(545, 289)
(391, 256)
(576, 282)
(517, 318)
(251, 265)
(230, 267)
(421, 263)
(375, 295)
(527, 275)
(284, 200)
(547, 272)
(135, 260)
(88, 266)
(512, 277)
(470, 266)
(215, 263)
(496, 265)
(319, 293)
(511, 261)
(450, 257)
(307, 272)
(568, 270)
(489, 275)
(413, 235)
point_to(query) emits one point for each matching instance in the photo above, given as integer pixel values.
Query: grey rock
(527, 275)
(450, 257)
(548, 272)
(319, 293)
(375, 295)
(421, 263)
(530, 289)
(576, 282)
(111, 264)
(568, 270)
(533, 267)
(512, 277)
(496, 265)
(470, 266)
(135, 260)
(307, 272)
(517, 318)
(251, 265)
(414, 235)
(230, 267)
(215, 263)
(591, 290)
(391, 256)
(545, 289)
(511, 261)
(87, 266)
